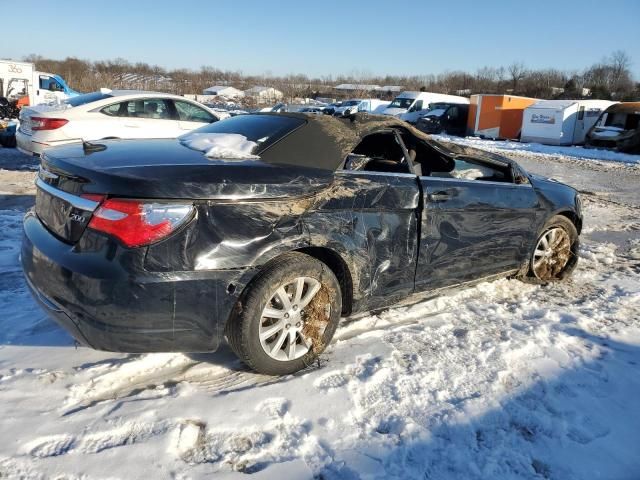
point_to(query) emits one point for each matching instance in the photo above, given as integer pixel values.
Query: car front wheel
(287, 315)
(556, 252)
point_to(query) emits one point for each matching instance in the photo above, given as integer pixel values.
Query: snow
(229, 146)
(537, 149)
(48, 107)
(436, 112)
(610, 132)
(503, 380)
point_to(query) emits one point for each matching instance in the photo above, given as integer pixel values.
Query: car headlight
(578, 204)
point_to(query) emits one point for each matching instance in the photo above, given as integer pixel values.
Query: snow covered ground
(505, 147)
(500, 381)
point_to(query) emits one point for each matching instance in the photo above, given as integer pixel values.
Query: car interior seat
(417, 166)
(151, 110)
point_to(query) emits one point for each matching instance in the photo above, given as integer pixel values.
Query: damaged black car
(268, 228)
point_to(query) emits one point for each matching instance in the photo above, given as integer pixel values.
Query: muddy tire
(286, 316)
(555, 254)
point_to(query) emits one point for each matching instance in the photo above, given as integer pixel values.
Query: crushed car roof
(324, 141)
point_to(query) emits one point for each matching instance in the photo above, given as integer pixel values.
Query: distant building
(224, 91)
(357, 87)
(391, 88)
(264, 94)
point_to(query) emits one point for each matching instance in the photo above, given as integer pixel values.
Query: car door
(49, 90)
(375, 201)
(476, 222)
(150, 118)
(191, 116)
(414, 112)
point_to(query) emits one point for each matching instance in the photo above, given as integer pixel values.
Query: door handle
(438, 196)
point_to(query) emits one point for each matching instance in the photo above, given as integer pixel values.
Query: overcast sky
(328, 37)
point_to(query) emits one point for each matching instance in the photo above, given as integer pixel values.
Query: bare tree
(610, 78)
(620, 64)
(517, 71)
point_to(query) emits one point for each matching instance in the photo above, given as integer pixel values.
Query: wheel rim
(282, 324)
(552, 253)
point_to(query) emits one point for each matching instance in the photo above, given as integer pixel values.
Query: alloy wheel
(552, 254)
(282, 331)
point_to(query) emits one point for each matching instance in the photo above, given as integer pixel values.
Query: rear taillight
(137, 223)
(43, 123)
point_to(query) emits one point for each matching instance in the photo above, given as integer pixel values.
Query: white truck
(354, 105)
(19, 81)
(410, 106)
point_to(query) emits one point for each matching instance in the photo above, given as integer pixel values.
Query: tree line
(611, 78)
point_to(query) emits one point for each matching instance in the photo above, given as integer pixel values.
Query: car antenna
(89, 147)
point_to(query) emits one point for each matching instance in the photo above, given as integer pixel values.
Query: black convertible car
(267, 228)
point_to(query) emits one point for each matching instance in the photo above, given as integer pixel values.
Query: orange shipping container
(497, 116)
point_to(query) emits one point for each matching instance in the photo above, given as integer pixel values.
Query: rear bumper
(106, 306)
(24, 144)
(29, 145)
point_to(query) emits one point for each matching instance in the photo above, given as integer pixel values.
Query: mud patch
(317, 316)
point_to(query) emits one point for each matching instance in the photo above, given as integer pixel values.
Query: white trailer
(561, 122)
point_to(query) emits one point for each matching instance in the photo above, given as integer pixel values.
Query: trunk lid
(154, 169)
(59, 203)
(36, 111)
(25, 120)
(168, 169)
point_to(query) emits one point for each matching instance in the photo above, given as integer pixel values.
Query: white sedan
(109, 114)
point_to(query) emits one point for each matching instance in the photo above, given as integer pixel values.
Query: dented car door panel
(472, 229)
(369, 218)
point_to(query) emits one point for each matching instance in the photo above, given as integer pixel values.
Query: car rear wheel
(286, 316)
(556, 252)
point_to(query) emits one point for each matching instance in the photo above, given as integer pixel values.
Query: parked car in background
(109, 114)
(349, 107)
(449, 118)
(409, 106)
(331, 108)
(267, 228)
(312, 109)
(617, 128)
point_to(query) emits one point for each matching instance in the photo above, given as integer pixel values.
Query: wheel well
(574, 219)
(339, 268)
